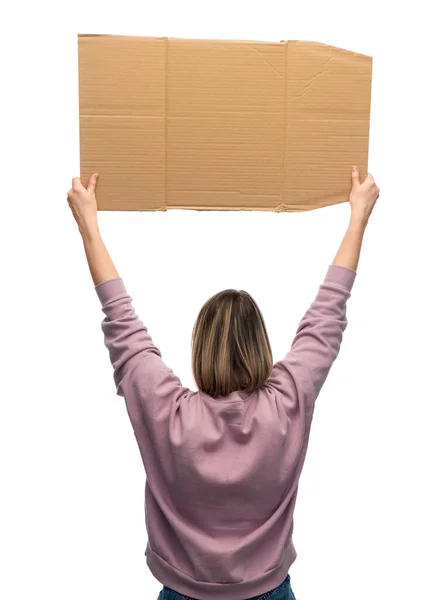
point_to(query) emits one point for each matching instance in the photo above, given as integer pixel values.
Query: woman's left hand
(82, 202)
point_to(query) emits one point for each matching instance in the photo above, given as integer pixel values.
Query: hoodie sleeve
(140, 374)
(317, 341)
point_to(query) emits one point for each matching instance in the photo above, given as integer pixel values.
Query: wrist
(89, 230)
(358, 222)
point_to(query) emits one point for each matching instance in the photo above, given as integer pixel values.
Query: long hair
(230, 346)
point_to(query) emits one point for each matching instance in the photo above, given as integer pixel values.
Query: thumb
(91, 187)
(355, 177)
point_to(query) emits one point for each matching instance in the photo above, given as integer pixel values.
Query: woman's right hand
(363, 197)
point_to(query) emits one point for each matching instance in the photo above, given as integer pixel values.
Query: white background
(369, 522)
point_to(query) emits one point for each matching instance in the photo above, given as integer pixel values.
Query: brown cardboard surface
(221, 125)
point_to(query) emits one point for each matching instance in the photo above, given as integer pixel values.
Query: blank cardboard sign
(221, 125)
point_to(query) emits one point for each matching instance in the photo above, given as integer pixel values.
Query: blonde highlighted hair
(230, 346)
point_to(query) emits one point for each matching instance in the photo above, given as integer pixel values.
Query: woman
(223, 463)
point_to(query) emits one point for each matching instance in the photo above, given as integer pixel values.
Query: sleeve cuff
(108, 290)
(342, 276)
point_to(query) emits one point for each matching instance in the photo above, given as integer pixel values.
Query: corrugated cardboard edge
(166, 125)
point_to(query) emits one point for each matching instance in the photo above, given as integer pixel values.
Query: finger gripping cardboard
(221, 125)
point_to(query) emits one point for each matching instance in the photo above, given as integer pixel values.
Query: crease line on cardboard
(222, 192)
(165, 124)
(283, 151)
(265, 59)
(325, 70)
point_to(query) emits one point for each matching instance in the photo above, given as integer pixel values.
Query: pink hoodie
(222, 474)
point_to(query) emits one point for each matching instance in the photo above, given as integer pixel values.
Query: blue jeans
(282, 592)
